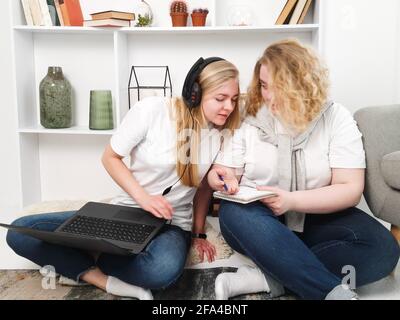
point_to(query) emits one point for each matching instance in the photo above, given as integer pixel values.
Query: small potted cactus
(179, 13)
(199, 17)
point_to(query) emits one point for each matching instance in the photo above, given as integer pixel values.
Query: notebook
(245, 195)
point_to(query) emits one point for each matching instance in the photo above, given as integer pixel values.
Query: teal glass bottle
(55, 100)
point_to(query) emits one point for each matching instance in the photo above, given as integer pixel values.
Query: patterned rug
(194, 284)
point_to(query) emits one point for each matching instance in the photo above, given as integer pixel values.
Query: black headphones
(191, 92)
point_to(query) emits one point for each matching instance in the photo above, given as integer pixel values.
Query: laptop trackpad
(129, 215)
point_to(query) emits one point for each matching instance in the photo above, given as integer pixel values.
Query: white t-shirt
(334, 143)
(148, 135)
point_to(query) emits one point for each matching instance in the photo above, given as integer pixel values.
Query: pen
(222, 179)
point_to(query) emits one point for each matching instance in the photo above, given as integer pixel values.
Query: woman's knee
(384, 252)
(46, 222)
(241, 214)
(246, 219)
(227, 210)
(380, 242)
(389, 250)
(395, 253)
(164, 259)
(164, 270)
(25, 221)
(14, 239)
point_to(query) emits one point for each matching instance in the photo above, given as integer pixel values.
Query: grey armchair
(380, 127)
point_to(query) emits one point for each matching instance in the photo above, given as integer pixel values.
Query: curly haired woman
(308, 150)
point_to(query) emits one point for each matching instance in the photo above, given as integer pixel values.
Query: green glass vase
(55, 100)
(101, 110)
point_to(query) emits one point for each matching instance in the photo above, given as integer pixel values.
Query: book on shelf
(305, 10)
(286, 13)
(277, 8)
(107, 23)
(64, 13)
(59, 12)
(27, 12)
(113, 15)
(36, 12)
(71, 12)
(244, 195)
(53, 12)
(298, 11)
(44, 9)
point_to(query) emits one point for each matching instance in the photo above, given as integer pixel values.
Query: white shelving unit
(179, 30)
(94, 58)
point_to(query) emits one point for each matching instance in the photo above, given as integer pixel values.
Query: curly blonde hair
(299, 83)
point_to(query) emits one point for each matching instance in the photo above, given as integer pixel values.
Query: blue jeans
(310, 263)
(158, 266)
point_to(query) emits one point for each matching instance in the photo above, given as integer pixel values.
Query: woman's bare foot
(115, 286)
(96, 277)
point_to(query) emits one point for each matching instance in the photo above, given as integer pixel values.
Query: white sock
(64, 281)
(123, 289)
(245, 280)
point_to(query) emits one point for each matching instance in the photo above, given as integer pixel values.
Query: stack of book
(110, 19)
(52, 12)
(294, 12)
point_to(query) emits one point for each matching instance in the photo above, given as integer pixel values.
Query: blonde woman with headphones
(172, 144)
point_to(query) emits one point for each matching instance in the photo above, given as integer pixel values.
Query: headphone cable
(167, 190)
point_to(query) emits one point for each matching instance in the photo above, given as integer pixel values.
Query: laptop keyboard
(109, 229)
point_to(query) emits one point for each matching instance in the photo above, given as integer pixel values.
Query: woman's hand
(279, 204)
(157, 206)
(215, 182)
(203, 246)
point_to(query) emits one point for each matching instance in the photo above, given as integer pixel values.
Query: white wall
(398, 53)
(361, 48)
(362, 51)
